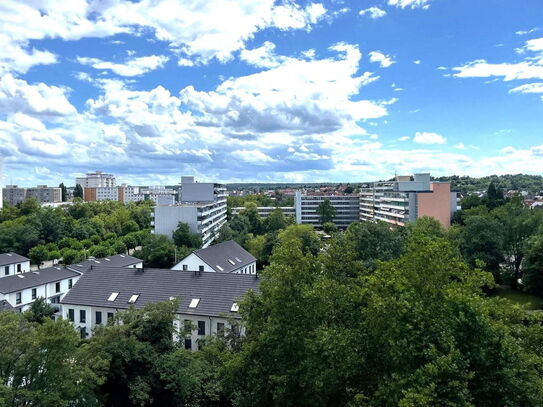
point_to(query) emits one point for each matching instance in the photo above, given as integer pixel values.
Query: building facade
(44, 194)
(405, 199)
(13, 263)
(264, 211)
(201, 205)
(96, 179)
(347, 208)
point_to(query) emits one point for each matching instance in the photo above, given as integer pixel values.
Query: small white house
(225, 257)
(13, 263)
(52, 283)
(118, 260)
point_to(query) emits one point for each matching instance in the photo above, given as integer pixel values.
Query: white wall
(193, 263)
(12, 268)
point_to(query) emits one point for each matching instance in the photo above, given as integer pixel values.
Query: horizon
(270, 91)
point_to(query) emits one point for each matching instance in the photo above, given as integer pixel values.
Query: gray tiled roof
(5, 306)
(217, 291)
(18, 282)
(221, 254)
(10, 258)
(119, 260)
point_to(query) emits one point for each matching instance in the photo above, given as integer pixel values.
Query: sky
(269, 91)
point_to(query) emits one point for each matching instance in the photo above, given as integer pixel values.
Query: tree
(533, 265)
(275, 221)
(255, 246)
(100, 251)
(326, 212)
(39, 311)
(38, 255)
(330, 227)
(70, 256)
(158, 251)
(304, 235)
(29, 206)
(182, 236)
(64, 191)
(255, 221)
(78, 191)
(494, 196)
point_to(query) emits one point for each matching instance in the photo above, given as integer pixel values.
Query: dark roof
(216, 291)
(10, 258)
(224, 254)
(119, 260)
(5, 306)
(18, 282)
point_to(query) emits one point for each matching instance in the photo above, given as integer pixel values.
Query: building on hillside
(264, 211)
(207, 301)
(51, 283)
(347, 208)
(13, 263)
(118, 260)
(201, 205)
(97, 179)
(407, 198)
(225, 257)
(45, 194)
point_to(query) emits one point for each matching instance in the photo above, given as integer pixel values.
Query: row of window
(83, 316)
(6, 269)
(34, 293)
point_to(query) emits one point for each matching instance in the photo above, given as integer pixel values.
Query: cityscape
(271, 203)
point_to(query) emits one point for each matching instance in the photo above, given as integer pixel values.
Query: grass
(529, 301)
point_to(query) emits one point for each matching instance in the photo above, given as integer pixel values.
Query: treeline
(73, 233)
(374, 317)
(518, 182)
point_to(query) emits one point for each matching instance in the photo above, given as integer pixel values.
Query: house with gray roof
(22, 289)
(13, 263)
(118, 260)
(207, 301)
(225, 257)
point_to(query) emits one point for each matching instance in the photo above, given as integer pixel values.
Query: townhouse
(13, 263)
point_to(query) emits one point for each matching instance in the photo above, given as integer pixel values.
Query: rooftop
(18, 282)
(124, 287)
(11, 258)
(119, 260)
(225, 257)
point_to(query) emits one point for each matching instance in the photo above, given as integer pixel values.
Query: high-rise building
(96, 179)
(201, 205)
(407, 198)
(347, 208)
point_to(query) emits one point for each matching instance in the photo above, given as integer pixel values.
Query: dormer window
(113, 297)
(133, 298)
(194, 303)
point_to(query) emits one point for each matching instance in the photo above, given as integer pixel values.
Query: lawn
(531, 302)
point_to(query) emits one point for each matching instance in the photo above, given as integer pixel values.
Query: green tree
(326, 212)
(255, 246)
(330, 227)
(38, 255)
(64, 191)
(275, 221)
(494, 196)
(78, 191)
(39, 311)
(533, 265)
(29, 206)
(158, 251)
(70, 256)
(182, 236)
(304, 235)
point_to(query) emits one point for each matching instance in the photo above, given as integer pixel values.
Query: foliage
(517, 182)
(38, 254)
(533, 265)
(78, 191)
(182, 236)
(39, 311)
(158, 251)
(329, 227)
(326, 212)
(304, 235)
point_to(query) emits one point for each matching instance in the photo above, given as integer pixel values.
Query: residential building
(13, 263)
(207, 301)
(264, 211)
(45, 194)
(347, 208)
(118, 260)
(97, 179)
(91, 194)
(52, 283)
(406, 198)
(201, 205)
(13, 194)
(225, 257)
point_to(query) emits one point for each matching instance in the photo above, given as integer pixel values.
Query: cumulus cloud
(262, 57)
(429, 138)
(424, 4)
(384, 60)
(529, 88)
(373, 12)
(132, 67)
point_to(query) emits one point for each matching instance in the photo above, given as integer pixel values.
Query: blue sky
(269, 91)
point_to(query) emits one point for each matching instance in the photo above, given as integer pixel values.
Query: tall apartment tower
(202, 205)
(96, 179)
(407, 198)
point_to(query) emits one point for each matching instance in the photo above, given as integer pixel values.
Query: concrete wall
(167, 218)
(436, 204)
(12, 268)
(197, 192)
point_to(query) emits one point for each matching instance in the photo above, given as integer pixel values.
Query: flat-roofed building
(347, 208)
(96, 179)
(264, 211)
(45, 194)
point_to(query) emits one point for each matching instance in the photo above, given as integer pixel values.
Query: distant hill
(519, 182)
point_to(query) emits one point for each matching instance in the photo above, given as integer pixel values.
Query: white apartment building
(201, 205)
(96, 179)
(225, 257)
(347, 209)
(52, 283)
(13, 263)
(264, 211)
(406, 198)
(206, 300)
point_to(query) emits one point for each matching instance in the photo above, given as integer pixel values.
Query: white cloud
(404, 138)
(384, 60)
(252, 156)
(263, 57)
(132, 67)
(416, 62)
(373, 12)
(529, 88)
(429, 138)
(424, 4)
(525, 32)
(292, 16)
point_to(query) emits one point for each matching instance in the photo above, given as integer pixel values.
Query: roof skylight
(133, 298)
(220, 268)
(113, 297)
(235, 307)
(194, 303)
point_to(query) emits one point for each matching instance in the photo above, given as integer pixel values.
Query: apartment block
(264, 211)
(201, 205)
(407, 198)
(15, 195)
(96, 179)
(347, 209)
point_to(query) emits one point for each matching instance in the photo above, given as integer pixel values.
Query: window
(6, 270)
(18, 298)
(200, 268)
(201, 327)
(220, 268)
(185, 267)
(133, 298)
(194, 303)
(57, 287)
(18, 268)
(71, 314)
(34, 293)
(113, 297)
(82, 315)
(70, 283)
(220, 328)
(83, 332)
(110, 317)
(98, 317)
(188, 343)
(231, 262)
(235, 307)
